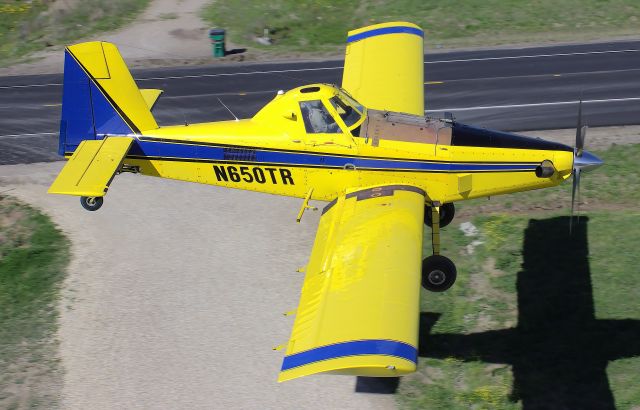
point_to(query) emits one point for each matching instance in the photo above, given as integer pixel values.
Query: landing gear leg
(447, 212)
(438, 272)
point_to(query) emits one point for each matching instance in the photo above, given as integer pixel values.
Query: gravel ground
(175, 297)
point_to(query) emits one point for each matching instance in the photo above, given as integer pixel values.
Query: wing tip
(383, 25)
(364, 365)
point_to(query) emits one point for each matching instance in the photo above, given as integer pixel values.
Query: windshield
(317, 118)
(348, 109)
(347, 97)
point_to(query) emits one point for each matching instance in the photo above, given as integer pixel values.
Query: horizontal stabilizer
(92, 167)
(151, 96)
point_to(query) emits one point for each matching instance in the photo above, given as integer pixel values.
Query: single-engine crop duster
(366, 148)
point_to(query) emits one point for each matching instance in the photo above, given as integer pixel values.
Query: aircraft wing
(92, 167)
(359, 308)
(384, 67)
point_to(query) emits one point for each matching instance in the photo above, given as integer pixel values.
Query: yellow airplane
(365, 147)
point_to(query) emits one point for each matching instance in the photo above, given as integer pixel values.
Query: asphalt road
(509, 89)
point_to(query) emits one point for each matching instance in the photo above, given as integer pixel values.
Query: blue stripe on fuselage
(148, 148)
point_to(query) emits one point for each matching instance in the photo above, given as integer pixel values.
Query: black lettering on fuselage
(285, 174)
(272, 172)
(221, 173)
(226, 173)
(258, 174)
(246, 175)
(233, 174)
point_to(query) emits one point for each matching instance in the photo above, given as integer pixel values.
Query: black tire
(91, 203)
(447, 212)
(438, 273)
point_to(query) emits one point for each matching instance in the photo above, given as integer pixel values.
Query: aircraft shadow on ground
(558, 351)
(379, 385)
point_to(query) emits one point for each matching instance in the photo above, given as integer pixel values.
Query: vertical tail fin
(100, 97)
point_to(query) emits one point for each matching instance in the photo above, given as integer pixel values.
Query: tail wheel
(91, 203)
(447, 212)
(438, 273)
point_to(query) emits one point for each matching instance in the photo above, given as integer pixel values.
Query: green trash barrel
(217, 41)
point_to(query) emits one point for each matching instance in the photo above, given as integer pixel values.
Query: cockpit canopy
(322, 109)
(319, 114)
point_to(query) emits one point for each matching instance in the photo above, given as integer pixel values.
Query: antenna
(448, 117)
(230, 112)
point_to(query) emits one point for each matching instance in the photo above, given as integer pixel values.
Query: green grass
(537, 314)
(32, 26)
(33, 257)
(316, 25)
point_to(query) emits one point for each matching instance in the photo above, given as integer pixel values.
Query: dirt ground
(168, 33)
(175, 297)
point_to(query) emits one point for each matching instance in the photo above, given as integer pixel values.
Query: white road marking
(460, 60)
(511, 77)
(492, 107)
(582, 53)
(27, 135)
(177, 77)
(234, 93)
(5, 87)
(179, 97)
(483, 107)
(426, 62)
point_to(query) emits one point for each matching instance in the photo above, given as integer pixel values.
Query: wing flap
(92, 166)
(359, 306)
(384, 67)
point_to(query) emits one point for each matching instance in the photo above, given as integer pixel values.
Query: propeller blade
(578, 200)
(580, 141)
(574, 188)
(581, 132)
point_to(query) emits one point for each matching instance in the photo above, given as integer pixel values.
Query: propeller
(582, 161)
(576, 187)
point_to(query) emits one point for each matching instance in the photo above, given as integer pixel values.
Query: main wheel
(447, 212)
(91, 203)
(438, 273)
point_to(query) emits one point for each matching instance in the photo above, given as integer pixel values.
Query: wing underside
(359, 307)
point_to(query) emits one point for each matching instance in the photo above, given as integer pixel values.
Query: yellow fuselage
(245, 155)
